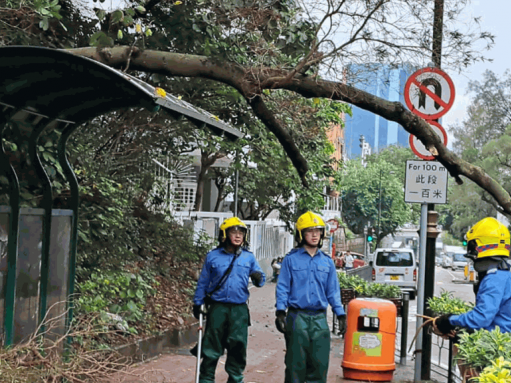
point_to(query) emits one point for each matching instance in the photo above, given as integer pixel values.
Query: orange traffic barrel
(370, 340)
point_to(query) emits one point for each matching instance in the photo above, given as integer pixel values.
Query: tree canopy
(372, 195)
(484, 139)
(254, 46)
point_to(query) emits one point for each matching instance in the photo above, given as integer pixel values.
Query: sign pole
(429, 283)
(420, 288)
(365, 242)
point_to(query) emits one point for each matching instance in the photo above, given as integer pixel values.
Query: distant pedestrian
(307, 284)
(348, 261)
(339, 261)
(274, 268)
(223, 286)
(276, 265)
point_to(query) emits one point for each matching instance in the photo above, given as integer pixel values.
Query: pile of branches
(47, 356)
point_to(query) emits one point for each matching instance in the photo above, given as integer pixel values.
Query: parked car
(397, 267)
(359, 260)
(439, 259)
(459, 261)
(449, 254)
(447, 260)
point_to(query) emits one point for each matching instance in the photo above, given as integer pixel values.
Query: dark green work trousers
(307, 347)
(226, 329)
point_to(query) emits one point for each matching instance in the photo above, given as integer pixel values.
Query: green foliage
(366, 289)
(349, 234)
(352, 282)
(449, 240)
(446, 303)
(47, 9)
(480, 348)
(499, 371)
(361, 197)
(381, 290)
(122, 216)
(483, 139)
(117, 292)
(272, 185)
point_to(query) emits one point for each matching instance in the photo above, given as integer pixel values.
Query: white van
(397, 267)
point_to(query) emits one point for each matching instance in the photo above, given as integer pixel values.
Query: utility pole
(432, 233)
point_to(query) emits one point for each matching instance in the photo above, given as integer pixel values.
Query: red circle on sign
(445, 104)
(422, 155)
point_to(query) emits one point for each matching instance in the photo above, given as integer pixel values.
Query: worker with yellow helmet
(307, 284)
(488, 245)
(223, 286)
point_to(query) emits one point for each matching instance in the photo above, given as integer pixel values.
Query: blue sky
(495, 19)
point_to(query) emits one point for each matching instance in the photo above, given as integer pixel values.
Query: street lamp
(379, 204)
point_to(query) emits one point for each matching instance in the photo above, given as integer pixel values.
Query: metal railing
(442, 363)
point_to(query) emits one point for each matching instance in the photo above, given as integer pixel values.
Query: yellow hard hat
(488, 238)
(228, 224)
(309, 220)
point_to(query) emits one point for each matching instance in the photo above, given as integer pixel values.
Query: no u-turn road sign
(429, 93)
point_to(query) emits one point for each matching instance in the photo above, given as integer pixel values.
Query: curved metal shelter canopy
(43, 89)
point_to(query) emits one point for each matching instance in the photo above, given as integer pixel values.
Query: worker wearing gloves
(488, 245)
(307, 284)
(223, 286)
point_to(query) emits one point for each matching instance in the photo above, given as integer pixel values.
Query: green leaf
(117, 16)
(94, 41)
(132, 306)
(43, 24)
(101, 14)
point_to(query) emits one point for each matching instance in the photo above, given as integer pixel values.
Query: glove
(197, 311)
(256, 277)
(443, 324)
(341, 320)
(280, 321)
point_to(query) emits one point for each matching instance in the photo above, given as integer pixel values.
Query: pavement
(265, 353)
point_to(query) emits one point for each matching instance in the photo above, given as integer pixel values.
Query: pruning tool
(199, 344)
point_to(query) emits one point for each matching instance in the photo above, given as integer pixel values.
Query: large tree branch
(248, 82)
(175, 64)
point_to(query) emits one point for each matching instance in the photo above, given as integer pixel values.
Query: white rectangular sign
(426, 182)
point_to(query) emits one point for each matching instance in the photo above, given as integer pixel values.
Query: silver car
(459, 261)
(397, 267)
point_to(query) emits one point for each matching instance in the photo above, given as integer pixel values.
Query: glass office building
(384, 82)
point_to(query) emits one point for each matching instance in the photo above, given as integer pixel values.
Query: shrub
(446, 303)
(483, 347)
(116, 292)
(364, 288)
(499, 371)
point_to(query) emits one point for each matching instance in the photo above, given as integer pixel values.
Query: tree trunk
(207, 160)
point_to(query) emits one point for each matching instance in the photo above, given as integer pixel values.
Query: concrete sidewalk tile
(265, 354)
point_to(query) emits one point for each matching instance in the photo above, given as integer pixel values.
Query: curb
(151, 347)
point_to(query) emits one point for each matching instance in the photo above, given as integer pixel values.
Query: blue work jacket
(493, 304)
(235, 287)
(307, 282)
